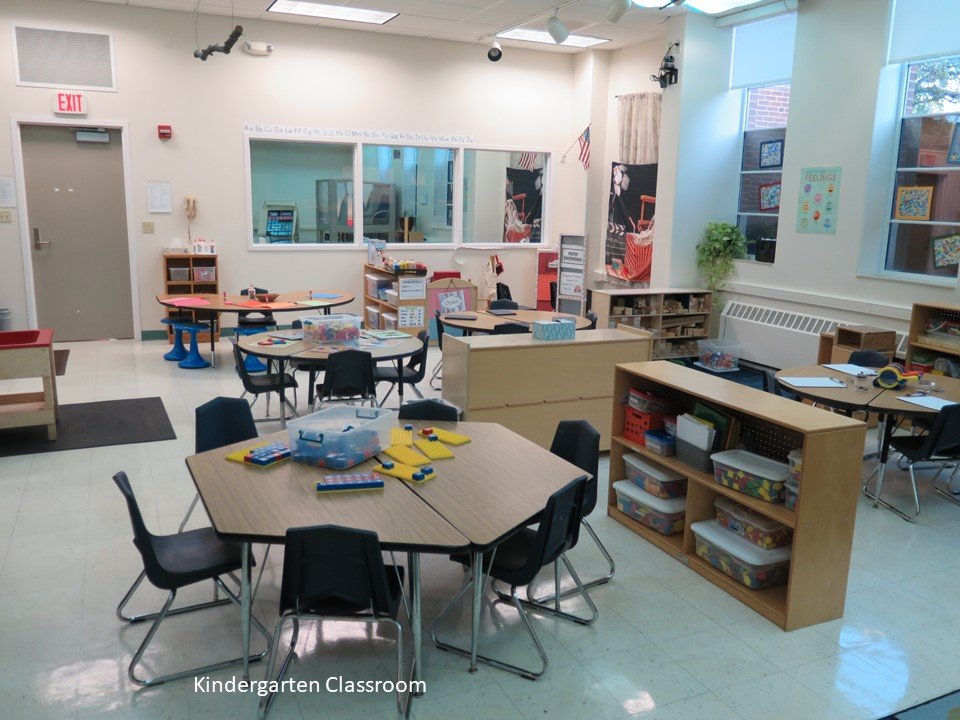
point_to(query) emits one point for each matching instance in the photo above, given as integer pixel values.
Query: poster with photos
(819, 200)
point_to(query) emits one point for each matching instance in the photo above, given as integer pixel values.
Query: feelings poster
(819, 200)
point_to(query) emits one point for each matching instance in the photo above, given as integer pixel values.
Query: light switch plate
(6, 216)
(148, 228)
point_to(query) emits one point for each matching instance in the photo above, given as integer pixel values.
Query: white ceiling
(458, 20)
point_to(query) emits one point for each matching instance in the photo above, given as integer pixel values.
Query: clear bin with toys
(655, 479)
(340, 437)
(664, 516)
(761, 531)
(740, 559)
(751, 474)
(719, 356)
(339, 329)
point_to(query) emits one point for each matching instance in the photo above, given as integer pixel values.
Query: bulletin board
(572, 276)
(449, 295)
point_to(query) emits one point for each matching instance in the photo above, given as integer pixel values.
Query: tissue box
(554, 329)
(332, 329)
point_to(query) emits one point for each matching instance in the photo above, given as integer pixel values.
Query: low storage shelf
(824, 518)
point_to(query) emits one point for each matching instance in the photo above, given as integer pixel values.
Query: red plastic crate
(636, 423)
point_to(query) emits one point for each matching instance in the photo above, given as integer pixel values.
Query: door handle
(37, 242)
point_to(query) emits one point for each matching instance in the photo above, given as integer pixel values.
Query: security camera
(495, 52)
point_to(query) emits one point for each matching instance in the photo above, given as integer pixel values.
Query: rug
(94, 424)
(945, 707)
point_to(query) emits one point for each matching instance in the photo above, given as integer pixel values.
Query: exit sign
(69, 103)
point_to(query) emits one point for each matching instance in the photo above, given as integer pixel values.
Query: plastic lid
(753, 464)
(638, 494)
(743, 514)
(651, 469)
(796, 455)
(714, 533)
(793, 485)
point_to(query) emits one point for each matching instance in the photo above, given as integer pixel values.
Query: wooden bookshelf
(188, 274)
(931, 345)
(392, 306)
(824, 519)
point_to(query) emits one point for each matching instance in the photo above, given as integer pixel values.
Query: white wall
(317, 77)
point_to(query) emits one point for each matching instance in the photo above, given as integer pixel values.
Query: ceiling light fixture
(558, 31)
(495, 52)
(257, 48)
(331, 12)
(617, 9)
(541, 36)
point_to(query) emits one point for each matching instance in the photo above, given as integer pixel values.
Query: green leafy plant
(722, 244)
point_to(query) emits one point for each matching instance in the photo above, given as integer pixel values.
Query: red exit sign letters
(70, 103)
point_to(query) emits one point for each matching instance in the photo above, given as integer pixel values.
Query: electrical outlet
(148, 228)
(6, 216)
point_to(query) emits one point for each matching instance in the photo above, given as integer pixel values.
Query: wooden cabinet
(408, 315)
(530, 385)
(923, 347)
(677, 317)
(189, 274)
(823, 522)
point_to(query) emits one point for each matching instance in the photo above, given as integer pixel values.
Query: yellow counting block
(433, 449)
(405, 455)
(404, 472)
(399, 436)
(451, 438)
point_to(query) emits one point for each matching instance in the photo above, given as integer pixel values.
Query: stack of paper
(699, 433)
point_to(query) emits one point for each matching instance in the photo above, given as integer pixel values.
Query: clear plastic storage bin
(795, 459)
(373, 317)
(751, 474)
(375, 283)
(791, 495)
(179, 273)
(660, 442)
(664, 516)
(340, 437)
(740, 559)
(655, 479)
(388, 321)
(340, 329)
(719, 355)
(754, 527)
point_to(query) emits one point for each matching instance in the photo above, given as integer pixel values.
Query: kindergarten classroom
(480, 359)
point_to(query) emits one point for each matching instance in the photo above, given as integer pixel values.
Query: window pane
(502, 196)
(287, 179)
(925, 249)
(767, 107)
(405, 193)
(925, 142)
(933, 87)
(761, 233)
(933, 195)
(763, 145)
(760, 192)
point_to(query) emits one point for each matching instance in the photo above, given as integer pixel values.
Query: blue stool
(193, 360)
(251, 363)
(178, 352)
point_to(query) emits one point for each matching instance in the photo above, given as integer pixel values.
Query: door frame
(16, 122)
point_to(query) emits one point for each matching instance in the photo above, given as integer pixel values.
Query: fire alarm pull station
(164, 132)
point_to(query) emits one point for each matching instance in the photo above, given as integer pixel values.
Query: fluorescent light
(331, 12)
(650, 3)
(542, 36)
(715, 7)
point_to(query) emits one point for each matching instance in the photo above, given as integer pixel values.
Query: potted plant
(722, 244)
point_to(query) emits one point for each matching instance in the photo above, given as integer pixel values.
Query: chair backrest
(553, 294)
(510, 328)
(503, 292)
(869, 358)
(558, 530)
(336, 565)
(223, 421)
(436, 314)
(142, 538)
(296, 325)
(944, 437)
(418, 361)
(430, 410)
(349, 374)
(504, 304)
(770, 383)
(257, 290)
(592, 317)
(578, 442)
(242, 369)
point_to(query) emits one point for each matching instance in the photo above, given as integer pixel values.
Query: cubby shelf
(918, 339)
(823, 522)
(190, 286)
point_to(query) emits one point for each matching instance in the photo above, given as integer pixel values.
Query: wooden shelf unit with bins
(919, 342)
(823, 523)
(178, 282)
(677, 317)
(386, 306)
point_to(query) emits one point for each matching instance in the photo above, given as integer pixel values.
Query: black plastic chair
(439, 367)
(220, 422)
(592, 317)
(264, 384)
(349, 378)
(553, 294)
(172, 562)
(413, 372)
(941, 445)
(517, 561)
(335, 573)
(256, 318)
(510, 328)
(869, 359)
(313, 366)
(503, 292)
(429, 410)
(504, 305)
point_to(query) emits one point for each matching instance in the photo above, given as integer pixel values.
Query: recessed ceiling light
(542, 36)
(331, 12)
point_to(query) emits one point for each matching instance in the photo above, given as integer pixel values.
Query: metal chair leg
(592, 583)
(951, 495)
(389, 392)
(437, 377)
(186, 517)
(579, 589)
(877, 500)
(267, 701)
(152, 616)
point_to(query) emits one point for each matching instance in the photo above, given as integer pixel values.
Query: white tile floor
(668, 645)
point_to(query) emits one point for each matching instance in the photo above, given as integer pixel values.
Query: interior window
(503, 196)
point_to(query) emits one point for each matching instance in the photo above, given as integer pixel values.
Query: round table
(485, 322)
(214, 304)
(306, 352)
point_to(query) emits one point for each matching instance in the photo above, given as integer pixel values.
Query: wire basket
(693, 456)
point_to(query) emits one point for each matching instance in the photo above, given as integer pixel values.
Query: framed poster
(572, 278)
(819, 200)
(953, 153)
(913, 203)
(771, 154)
(770, 196)
(946, 250)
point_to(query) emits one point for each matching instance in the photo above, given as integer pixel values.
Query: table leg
(477, 568)
(281, 362)
(400, 380)
(312, 377)
(416, 621)
(245, 609)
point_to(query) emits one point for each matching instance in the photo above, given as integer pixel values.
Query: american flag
(528, 160)
(584, 140)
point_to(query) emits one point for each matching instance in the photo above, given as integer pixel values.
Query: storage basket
(636, 423)
(693, 456)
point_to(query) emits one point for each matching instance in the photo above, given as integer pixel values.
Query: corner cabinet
(190, 274)
(829, 488)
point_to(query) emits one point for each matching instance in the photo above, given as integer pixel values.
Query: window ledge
(946, 283)
(748, 261)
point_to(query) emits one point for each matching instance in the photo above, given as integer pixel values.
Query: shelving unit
(824, 520)
(173, 266)
(932, 345)
(394, 305)
(675, 332)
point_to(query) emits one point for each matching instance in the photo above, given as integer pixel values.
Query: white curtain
(639, 118)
